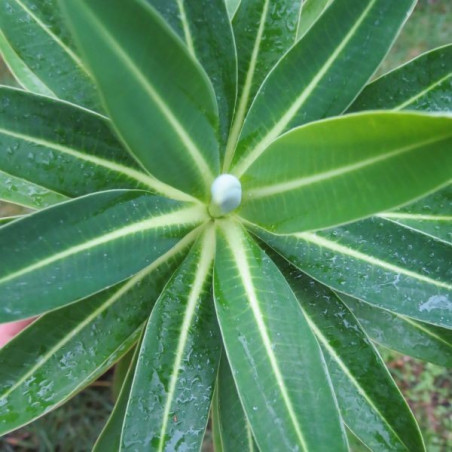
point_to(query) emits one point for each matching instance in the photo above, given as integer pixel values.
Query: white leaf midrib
(132, 282)
(194, 152)
(281, 125)
(188, 215)
(282, 187)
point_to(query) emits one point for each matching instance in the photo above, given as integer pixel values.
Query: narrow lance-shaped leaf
(405, 335)
(342, 169)
(431, 215)
(50, 148)
(424, 84)
(21, 71)
(53, 358)
(371, 405)
(168, 114)
(377, 261)
(179, 357)
(55, 68)
(274, 357)
(205, 28)
(24, 193)
(233, 427)
(310, 13)
(263, 30)
(101, 238)
(331, 68)
(110, 437)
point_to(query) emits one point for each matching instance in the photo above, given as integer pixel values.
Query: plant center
(226, 195)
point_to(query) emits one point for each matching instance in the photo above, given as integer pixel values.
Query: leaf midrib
(202, 273)
(188, 215)
(189, 238)
(240, 168)
(235, 240)
(131, 173)
(282, 187)
(196, 155)
(336, 247)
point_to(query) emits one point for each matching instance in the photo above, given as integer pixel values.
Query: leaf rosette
(218, 186)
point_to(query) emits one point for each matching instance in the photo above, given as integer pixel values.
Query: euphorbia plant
(209, 179)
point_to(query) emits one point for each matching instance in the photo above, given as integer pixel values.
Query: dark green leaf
(205, 28)
(38, 49)
(110, 437)
(233, 427)
(77, 248)
(275, 360)
(24, 193)
(380, 262)
(424, 83)
(50, 148)
(370, 402)
(405, 335)
(342, 169)
(263, 30)
(431, 215)
(159, 99)
(65, 350)
(323, 72)
(177, 366)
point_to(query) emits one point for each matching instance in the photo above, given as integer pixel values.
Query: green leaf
(102, 239)
(5, 220)
(49, 146)
(342, 169)
(232, 6)
(65, 350)
(275, 360)
(38, 49)
(405, 335)
(20, 70)
(377, 261)
(431, 215)
(263, 30)
(310, 13)
(110, 437)
(19, 191)
(165, 111)
(321, 75)
(205, 28)
(424, 83)
(233, 427)
(177, 366)
(371, 405)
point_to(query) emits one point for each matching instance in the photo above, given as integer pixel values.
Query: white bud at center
(226, 193)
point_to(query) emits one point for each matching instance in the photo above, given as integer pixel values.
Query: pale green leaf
(343, 169)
